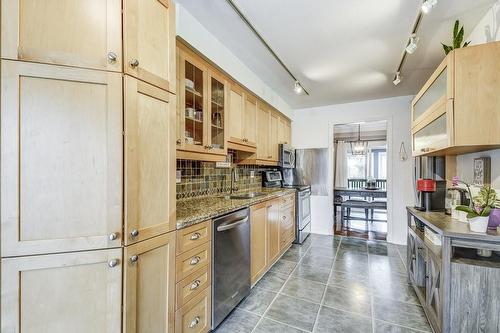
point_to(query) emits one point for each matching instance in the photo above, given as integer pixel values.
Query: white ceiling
(341, 51)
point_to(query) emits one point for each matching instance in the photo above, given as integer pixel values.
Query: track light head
(427, 5)
(298, 88)
(397, 79)
(413, 44)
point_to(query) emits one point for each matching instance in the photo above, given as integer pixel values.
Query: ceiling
(341, 51)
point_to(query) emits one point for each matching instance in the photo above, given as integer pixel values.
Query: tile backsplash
(204, 179)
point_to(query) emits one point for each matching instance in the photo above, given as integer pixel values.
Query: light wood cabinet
(149, 41)
(273, 136)
(201, 115)
(149, 285)
(59, 293)
(196, 315)
(250, 120)
(64, 32)
(456, 111)
(263, 128)
(273, 231)
(61, 151)
(193, 236)
(258, 240)
(242, 113)
(192, 260)
(284, 131)
(149, 168)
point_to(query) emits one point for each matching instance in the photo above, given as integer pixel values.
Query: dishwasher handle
(232, 224)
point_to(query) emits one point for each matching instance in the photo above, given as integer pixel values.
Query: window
(374, 164)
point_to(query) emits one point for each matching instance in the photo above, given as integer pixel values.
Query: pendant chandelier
(359, 147)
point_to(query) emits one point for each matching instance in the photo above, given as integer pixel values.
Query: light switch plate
(222, 164)
(178, 176)
(252, 174)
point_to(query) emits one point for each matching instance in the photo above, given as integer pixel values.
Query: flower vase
(494, 220)
(478, 224)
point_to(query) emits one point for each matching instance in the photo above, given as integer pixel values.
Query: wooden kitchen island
(458, 289)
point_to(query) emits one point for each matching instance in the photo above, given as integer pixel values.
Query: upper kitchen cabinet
(149, 41)
(149, 161)
(61, 152)
(284, 131)
(242, 113)
(263, 129)
(202, 105)
(64, 32)
(457, 110)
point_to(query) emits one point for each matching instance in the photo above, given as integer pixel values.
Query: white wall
(201, 39)
(487, 30)
(313, 128)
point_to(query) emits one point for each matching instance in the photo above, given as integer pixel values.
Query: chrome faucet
(234, 179)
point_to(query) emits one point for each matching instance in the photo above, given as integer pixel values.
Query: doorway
(360, 179)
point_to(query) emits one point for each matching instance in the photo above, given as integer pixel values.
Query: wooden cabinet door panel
(149, 285)
(149, 161)
(61, 157)
(65, 32)
(273, 137)
(263, 128)
(273, 231)
(258, 240)
(149, 41)
(250, 120)
(59, 293)
(236, 109)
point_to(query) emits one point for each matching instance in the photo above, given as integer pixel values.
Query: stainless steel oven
(303, 211)
(286, 156)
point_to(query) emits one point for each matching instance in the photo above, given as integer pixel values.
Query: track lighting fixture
(397, 79)
(412, 45)
(298, 88)
(427, 5)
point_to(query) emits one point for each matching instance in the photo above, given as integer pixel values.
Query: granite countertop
(196, 210)
(444, 225)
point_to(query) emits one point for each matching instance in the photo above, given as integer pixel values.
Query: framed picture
(482, 171)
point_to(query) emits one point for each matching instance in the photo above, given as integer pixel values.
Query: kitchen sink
(243, 196)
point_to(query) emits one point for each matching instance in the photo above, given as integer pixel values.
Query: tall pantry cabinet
(87, 160)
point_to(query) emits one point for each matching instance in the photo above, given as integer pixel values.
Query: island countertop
(196, 210)
(444, 225)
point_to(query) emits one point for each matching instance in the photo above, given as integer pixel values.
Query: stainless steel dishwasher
(231, 263)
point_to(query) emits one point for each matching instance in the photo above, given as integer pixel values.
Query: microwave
(286, 156)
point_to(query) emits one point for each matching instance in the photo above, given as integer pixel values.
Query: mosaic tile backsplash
(204, 179)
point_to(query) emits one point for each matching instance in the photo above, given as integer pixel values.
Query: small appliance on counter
(455, 196)
(274, 178)
(430, 183)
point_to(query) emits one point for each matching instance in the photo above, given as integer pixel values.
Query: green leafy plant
(482, 203)
(458, 37)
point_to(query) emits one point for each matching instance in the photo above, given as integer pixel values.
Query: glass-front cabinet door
(194, 105)
(431, 137)
(217, 124)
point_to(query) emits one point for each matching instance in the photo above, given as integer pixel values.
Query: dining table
(362, 192)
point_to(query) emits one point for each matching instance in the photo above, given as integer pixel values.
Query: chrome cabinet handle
(113, 236)
(134, 258)
(195, 261)
(206, 147)
(283, 217)
(134, 233)
(178, 141)
(194, 322)
(113, 263)
(134, 63)
(195, 236)
(195, 285)
(112, 57)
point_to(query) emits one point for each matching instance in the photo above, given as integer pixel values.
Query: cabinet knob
(134, 258)
(194, 322)
(195, 261)
(113, 236)
(113, 263)
(178, 141)
(112, 57)
(283, 217)
(134, 63)
(195, 236)
(206, 147)
(134, 233)
(195, 285)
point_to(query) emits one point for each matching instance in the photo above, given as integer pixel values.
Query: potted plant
(479, 211)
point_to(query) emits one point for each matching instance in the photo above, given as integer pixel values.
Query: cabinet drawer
(192, 285)
(193, 236)
(190, 261)
(195, 316)
(287, 200)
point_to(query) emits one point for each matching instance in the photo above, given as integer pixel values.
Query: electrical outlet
(178, 176)
(252, 174)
